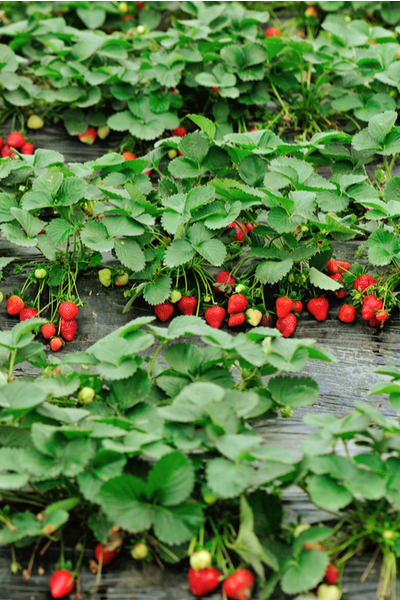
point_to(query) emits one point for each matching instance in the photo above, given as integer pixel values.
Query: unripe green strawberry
(1, 297)
(35, 122)
(141, 29)
(175, 296)
(240, 288)
(253, 316)
(123, 7)
(200, 560)
(139, 551)
(329, 592)
(86, 395)
(122, 279)
(103, 132)
(300, 528)
(40, 273)
(105, 277)
(172, 153)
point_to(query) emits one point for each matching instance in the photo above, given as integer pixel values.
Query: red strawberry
(267, 321)
(214, 316)
(297, 306)
(332, 266)
(187, 305)
(271, 32)
(127, 18)
(1, 142)
(56, 344)
(14, 305)
(15, 140)
(373, 322)
(236, 319)
(340, 293)
(129, 156)
(179, 131)
(61, 583)
(336, 277)
(6, 152)
(48, 330)
(347, 313)
(164, 311)
(237, 303)
(251, 227)
(310, 12)
(252, 130)
(140, 5)
(203, 581)
(382, 316)
(331, 574)
(223, 277)
(343, 266)
(215, 89)
(27, 148)
(287, 325)
(318, 307)
(241, 231)
(283, 306)
(68, 329)
(104, 555)
(371, 305)
(68, 310)
(27, 313)
(89, 136)
(239, 585)
(363, 282)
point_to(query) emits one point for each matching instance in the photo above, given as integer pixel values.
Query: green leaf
(294, 391)
(184, 358)
(322, 281)
(130, 254)
(171, 480)
(178, 253)
(121, 499)
(95, 236)
(327, 493)
(177, 524)
(252, 170)
(59, 230)
(380, 125)
(157, 291)
(306, 573)
(227, 479)
(205, 125)
(194, 147)
(271, 271)
(212, 250)
(32, 225)
(382, 246)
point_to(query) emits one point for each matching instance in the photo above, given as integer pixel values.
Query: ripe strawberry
(27, 313)
(129, 156)
(347, 313)
(241, 231)
(297, 306)
(104, 555)
(68, 310)
(223, 277)
(6, 152)
(251, 227)
(214, 316)
(382, 316)
(252, 130)
(204, 581)
(236, 319)
(68, 329)
(267, 320)
(373, 322)
(331, 574)
(164, 311)
(340, 293)
(215, 90)
(27, 148)
(179, 131)
(15, 140)
(187, 305)
(140, 5)
(343, 266)
(363, 282)
(14, 305)
(1, 142)
(287, 325)
(239, 585)
(61, 583)
(89, 136)
(56, 344)
(371, 305)
(337, 277)
(283, 306)
(332, 266)
(48, 330)
(35, 122)
(237, 303)
(128, 18)
(318, 307)
(272, 32)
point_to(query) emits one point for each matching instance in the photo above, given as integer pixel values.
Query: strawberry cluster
(15, 141)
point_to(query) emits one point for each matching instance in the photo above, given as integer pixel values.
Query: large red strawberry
(347, 313)
(236, 319)
(318, 307)
(239, 585)
(68, 310)
(48, 330)
(241, 230)
(27, 313)
(15, 140)
(287, 325)
(371, 305)
(214, 316)
(61, 583)
(187, 305)
(14, 305)
(27, 148)
(331, 574)
(343, 266)
(203, 581)
(382, 316)
(104, 555)
(363, 282)
(223, 277)
(297, 306)
(283, 306)
(332, 266)
(237, 303)
(56, 344)
(68, 329)
(164, 311)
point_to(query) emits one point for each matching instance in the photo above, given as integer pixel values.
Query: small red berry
(14, 305)
(331, 574)
(363, 282)
(104, 555)
(164, 311)
(236, 319)
(318, 307)
(239, 585)
(237, 303)
(297, 306)
(68, 329)
(283, 306)
(68, 310)
(287, 325)
(332, 266)
(129, 156)
(48, 330)
(343, 266)
(203, 581)
(56, 344)
(214, 316)
(89, 136)
(179, 131)
(15, 140)
(272, 32)
(187, 305)
(347, 313)
(241, 231)
(382, 316)
(27, 148)
(61, 583)
(6, 152)
(223, 277)
(27, 313)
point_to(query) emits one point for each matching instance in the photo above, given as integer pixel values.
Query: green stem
(160, 347)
